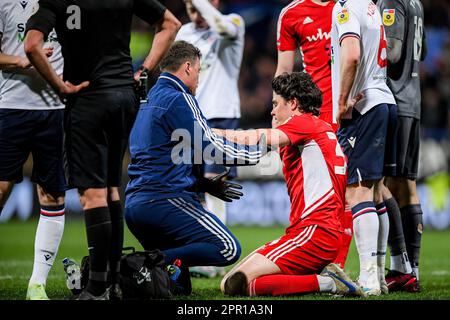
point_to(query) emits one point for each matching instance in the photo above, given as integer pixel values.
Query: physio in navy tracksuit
(162, 209)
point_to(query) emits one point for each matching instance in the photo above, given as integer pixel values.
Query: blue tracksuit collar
(174, 81)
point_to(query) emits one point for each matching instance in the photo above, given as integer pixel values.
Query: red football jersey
(306, 25)
(315, 170)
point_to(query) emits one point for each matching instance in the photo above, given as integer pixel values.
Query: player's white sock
(216, 206)
(416, 272)
(326, 284)
(383, 233)
(365, 226)
(48, 236)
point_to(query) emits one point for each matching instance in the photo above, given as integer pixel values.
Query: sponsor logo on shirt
(342, 16)
(24, 4)
(388, 17)
(307, 20)
(21, 32)
(319, 36)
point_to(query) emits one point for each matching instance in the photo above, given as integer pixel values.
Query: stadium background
(263, 212)
(266, 202)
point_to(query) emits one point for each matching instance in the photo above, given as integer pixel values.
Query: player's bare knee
(93, 198)
(50, 198)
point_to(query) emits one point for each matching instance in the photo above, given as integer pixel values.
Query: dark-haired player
(315, 171)
(304, 26)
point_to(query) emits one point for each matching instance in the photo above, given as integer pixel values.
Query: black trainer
(183, 285)
(236, 284)
(115, 292)
(86, 295)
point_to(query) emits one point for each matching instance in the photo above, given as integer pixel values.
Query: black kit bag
(143, 275)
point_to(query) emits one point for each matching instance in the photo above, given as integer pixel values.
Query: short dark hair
(300, 86)
(178, 53)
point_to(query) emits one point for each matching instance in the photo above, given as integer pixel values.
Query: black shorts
(97, 127)
(408, 143)
(368, 142)
(39, 132)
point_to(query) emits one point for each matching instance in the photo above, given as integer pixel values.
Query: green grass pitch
(16, 256)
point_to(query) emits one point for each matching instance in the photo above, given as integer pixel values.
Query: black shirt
(95, 36)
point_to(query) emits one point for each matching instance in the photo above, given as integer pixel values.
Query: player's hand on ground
(219, 188)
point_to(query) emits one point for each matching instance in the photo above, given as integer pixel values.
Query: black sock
(412, 228)
(396, 239)
(115, 253)
(98, 231)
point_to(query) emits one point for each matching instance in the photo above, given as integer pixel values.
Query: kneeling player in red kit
(314, 167)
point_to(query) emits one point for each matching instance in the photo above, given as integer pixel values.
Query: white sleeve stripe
(213, 136)
(284, 11)
(209, 133)
(218, 142)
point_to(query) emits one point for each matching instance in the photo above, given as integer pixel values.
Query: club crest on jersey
(388, 17)
(342, 16)
(236, 21)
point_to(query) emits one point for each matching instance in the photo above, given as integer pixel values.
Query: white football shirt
(361, 19)
(25, 89)
(218, 93)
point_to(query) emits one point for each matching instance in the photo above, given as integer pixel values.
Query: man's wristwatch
(144, 69)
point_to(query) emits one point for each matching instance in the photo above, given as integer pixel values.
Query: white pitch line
(440, 273)
(11, 277)
(16, 263)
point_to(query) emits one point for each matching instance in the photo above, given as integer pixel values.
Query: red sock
(280, 284)
(346, 239)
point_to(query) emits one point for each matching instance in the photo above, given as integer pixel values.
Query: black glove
(224, 190)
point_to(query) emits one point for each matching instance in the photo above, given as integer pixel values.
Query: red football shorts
(303, 251)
